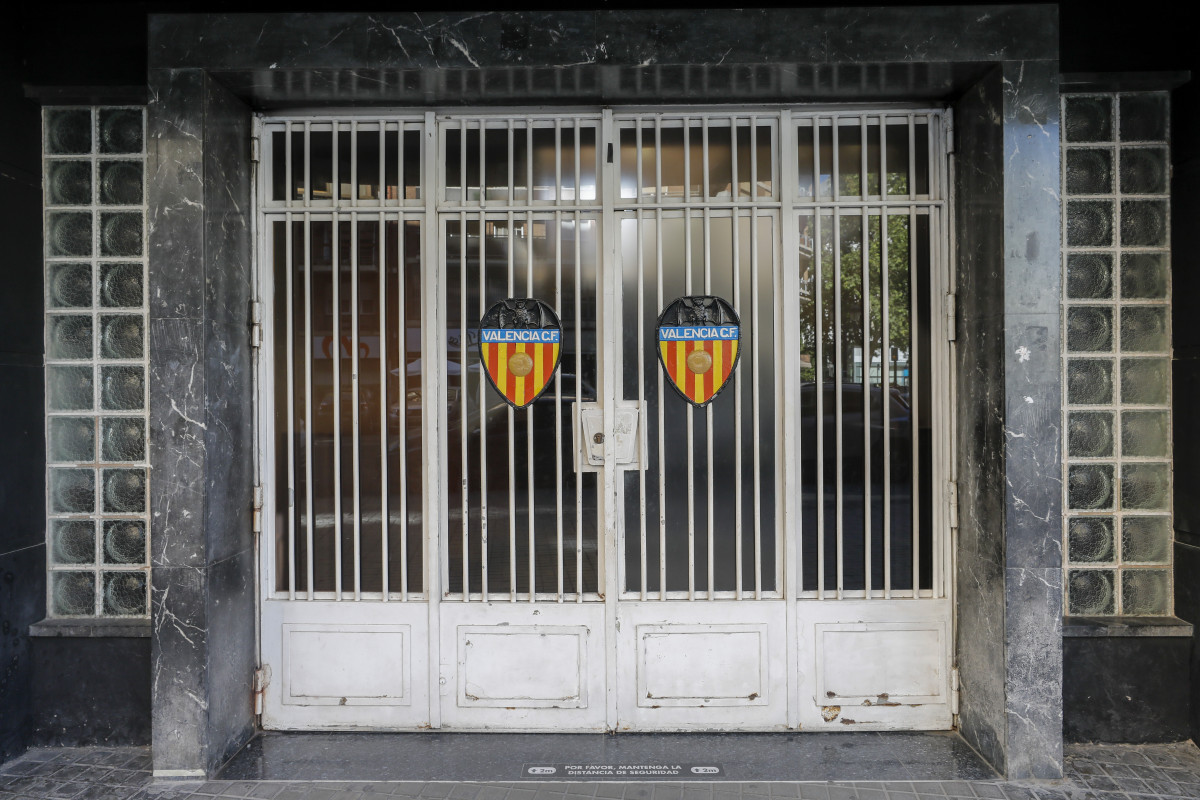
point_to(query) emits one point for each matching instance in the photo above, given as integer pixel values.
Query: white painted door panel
(346, 665)
(702, 665)
(872, 665)
(522, 666)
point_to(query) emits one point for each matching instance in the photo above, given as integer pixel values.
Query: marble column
(201, 415)
(1010, 465)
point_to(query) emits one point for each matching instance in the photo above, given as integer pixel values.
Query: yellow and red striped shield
(699, 340)
(520, 341)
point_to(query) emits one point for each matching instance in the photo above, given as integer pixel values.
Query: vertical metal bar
(354, 395)
(638, 178)
(558, 198)
(883, 187)
(862, 135)
(734, 190)
(578, 172)
(913, 366)
(886, 365)
(834, 179)
(462, 371)
(483, 435)
(290, 427)
(337, 393)
(511, 156)
(287, 167)
(838, 377)
(578, 400)
(912, 163)
(382, 175)
(820, 395)
(641, 380)
(737, 398)
(402, 358)
(866, 385)
(354, 166)
(400, 198)
(385, 519)
(704, 158)
(708, 411)
(310, 522)
(754, 178)
(482, 169)
(662, 467)
(687, 170)
(512, 441)
(307, 177)
(691, 448)
(756, 402)
(528, 412)
(558, 443)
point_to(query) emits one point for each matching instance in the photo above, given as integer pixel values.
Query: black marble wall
(22, 442)
(1010, 471)
(91, 690)
(201, 410)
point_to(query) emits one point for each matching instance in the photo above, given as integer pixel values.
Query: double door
(609, 557)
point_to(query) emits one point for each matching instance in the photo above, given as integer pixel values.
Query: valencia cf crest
(699, 340)
(520, 340)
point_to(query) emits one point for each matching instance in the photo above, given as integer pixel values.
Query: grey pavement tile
(988, 791)
(722, 793)
(638, 791)
(610, 790)
(513, 794)
(814, 791)
(784, 789)
(870, 794)
(842, 793)
(464, 791)
(902, 796)
(668, 792)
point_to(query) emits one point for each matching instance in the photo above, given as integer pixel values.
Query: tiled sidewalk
(1094, 772)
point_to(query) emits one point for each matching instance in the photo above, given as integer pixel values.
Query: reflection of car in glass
(899, 427)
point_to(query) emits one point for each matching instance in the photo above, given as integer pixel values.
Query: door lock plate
(625, 432)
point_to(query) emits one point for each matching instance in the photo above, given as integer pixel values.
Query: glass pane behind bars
(708, 473)
(359, 508)
(857, 458)
(504, 462)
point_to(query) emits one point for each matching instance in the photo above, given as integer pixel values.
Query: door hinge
(948, 127)
(255, 149)
(256, 324)
(262, 678)
(954, 691)
(952, 502)
(256, 519)
(951, 316)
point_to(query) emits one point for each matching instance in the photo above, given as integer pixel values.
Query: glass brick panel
(72, 439)
(69, 388)
(1089, 223)
(121, 234)
(69, 233)
(72, 491)
(1143, 223)
(1145, 592)
(122, 388)
(1144, 170)
(1090, 434)
(1090, 486)
(72, 541)
(1089, 329)
(124, 491)
(124, 541)
(120, 183)
(121, 336)
(120, 130)
(1145, 381)
(69, 183)
(1146, 540)
(69, 285)
(1088, 119)
(1144, 276)
(125, 593)
(123, 438)
(1145, 433)
(68, 131)
(1091, 592)
(1143, 117)
(69, 336)
(1144, 329)
(1090, 540)
(1089, 381)
(121, 285)
(1089, 171)
(1145, 486)
(1089, 276)
(73, 594)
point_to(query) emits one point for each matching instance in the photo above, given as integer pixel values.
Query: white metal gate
(608, 557)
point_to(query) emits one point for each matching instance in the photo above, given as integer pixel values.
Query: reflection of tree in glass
(898, 306)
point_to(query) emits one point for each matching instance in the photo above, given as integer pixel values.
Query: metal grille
(847, 208)
(520, 219)
(96, 402)
(1117, 335)
(348, 431)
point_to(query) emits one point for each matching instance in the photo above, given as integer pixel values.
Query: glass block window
(94, 196)
(1117, 370)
